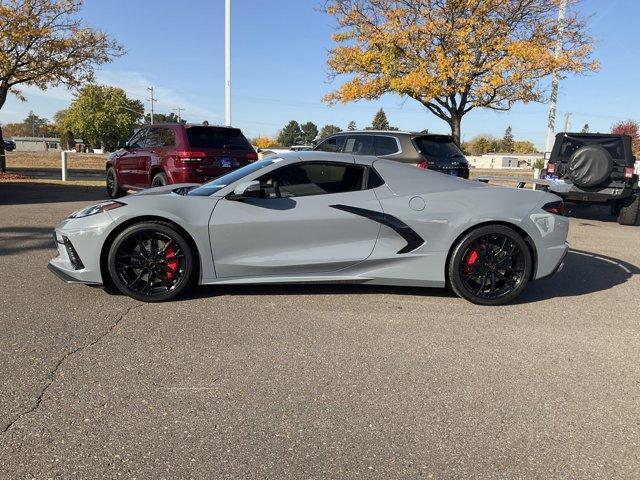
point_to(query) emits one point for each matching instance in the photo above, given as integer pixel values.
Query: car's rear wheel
(159, 180)
(630, 211)
(113, 187)
(490, 265)
(151, 262)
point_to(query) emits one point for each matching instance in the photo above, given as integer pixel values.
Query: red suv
(161, 154)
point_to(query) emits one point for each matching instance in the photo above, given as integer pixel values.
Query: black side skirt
(413, 239)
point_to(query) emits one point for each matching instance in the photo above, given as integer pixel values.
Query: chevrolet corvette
(316, 217)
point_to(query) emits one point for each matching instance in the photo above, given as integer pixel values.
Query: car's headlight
(97, 208)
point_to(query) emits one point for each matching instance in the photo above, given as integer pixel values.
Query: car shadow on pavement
(314, 289)
(15, 240)
(34, 193)
(583, 273)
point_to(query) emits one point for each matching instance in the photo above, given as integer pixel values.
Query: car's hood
(166, 189)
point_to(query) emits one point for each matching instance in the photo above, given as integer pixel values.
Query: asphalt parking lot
(317, 381)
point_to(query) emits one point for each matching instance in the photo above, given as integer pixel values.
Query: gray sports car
(315, 217)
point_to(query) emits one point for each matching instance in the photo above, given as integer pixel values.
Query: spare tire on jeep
(590, 165)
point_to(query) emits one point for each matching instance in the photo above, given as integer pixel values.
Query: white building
(503, 160)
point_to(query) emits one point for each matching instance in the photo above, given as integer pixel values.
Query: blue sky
(279, 50)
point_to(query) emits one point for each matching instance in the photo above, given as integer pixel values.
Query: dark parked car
(9, 145)
(425, 150)
(600, 169)
(163, 154)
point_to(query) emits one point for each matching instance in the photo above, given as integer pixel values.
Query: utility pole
(553, 103)
(227, 60)
(152, 101)
(178, 110)
(567, 121)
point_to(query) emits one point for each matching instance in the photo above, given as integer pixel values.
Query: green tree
(507, 140)
(291, 134)
(309, 132)
(380, 121)
(44, 44)
(329, 130)
(482, 144)
(163, 118)
(352, 126)
(524, 147)
(103, 115)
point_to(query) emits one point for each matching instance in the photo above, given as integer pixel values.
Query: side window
(359, 145)
(168, 137)
(153, 138)
(385, 145)
(374, 180)
(333, 144)
(137, 140)
(301, 180)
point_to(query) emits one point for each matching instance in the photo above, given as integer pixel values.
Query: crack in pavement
(51, 376)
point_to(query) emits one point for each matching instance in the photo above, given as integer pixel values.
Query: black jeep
(600, 169)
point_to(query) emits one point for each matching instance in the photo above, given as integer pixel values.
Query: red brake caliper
(471, 259)
(172, 262)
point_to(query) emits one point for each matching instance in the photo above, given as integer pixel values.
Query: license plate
(227, 162)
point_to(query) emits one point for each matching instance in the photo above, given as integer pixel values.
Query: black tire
(151, 262)
(494, 253)
(590, 166)
(159, 180)
(630, 211)
(113, 187)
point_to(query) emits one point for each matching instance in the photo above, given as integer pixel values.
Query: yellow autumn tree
(43, 43)
(453, 55)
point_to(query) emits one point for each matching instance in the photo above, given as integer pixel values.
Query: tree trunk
(454, 123)
(3, 162)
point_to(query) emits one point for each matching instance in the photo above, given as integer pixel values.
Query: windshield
(219, 183)
(437, 148)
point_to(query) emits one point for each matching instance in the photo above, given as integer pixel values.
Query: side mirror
(122, 144)
(246, 190)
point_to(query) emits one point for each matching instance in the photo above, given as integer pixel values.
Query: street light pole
(227, 60)
(178, 110)
(553, 103)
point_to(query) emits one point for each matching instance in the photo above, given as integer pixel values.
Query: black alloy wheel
(490, 265)
(151, 262)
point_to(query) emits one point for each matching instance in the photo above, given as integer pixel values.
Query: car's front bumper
(86, 237)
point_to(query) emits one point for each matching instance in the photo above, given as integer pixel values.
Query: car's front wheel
(490, 265)
(151, 262)
(113, 187)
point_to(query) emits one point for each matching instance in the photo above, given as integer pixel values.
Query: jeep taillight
(425, 164)
(628, 172)
(551, 168)
(251, 156)
(191, 155)
(557, 208)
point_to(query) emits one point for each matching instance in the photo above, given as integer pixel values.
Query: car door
(127, 162)
(297, 226)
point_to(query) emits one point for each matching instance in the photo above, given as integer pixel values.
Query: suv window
(212, 137)
(333, 144)
(437, 148)
(137, 140)
(385, 145)
(613, 145)
(359, 145)
(160, 137)
(300, 180)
